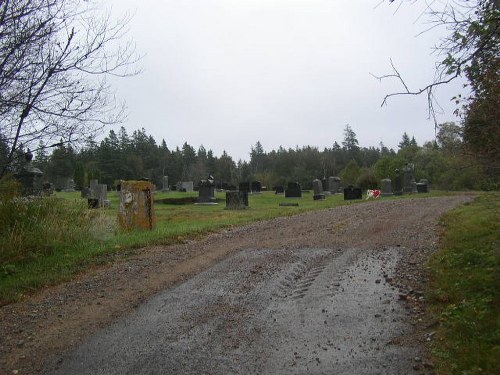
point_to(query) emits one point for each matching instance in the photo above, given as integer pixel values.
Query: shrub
(31, 227)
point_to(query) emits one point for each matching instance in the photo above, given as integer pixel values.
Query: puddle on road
(262, 311)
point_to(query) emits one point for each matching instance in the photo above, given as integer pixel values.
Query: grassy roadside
(465, 289)
(51, 240)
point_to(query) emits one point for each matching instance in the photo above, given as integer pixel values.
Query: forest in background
(444, 162)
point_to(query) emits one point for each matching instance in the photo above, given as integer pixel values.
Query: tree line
(120, 156)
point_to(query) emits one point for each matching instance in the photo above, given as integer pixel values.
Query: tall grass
(465, 292)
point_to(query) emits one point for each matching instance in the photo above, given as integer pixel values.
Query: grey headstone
(333, 184)
(186, 186)
(386, 187)
(164, 182)
(318, 190)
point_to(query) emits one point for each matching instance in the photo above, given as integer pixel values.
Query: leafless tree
(55, 56)
(470, 45)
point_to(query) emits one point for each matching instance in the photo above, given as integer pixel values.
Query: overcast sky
(228, 73)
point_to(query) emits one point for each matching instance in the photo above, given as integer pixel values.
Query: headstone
(69, 185)
(351, 193)
(164, 183)
(293, 190)
(423, 186)
(333, 184)
(386, 187)
(318, 190)
(279, 189)
(236, 200)
(98, 195)
(93, 184)
(409, 179)
(30, 177)
(256, 187)
(137, 205)
(245, 186)
(185, 186)
(206, 192)
(398, 186)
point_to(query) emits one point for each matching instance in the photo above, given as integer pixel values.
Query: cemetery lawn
(57, 260)
(465, 289)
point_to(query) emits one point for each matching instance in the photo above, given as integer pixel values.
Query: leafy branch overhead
(55, 57)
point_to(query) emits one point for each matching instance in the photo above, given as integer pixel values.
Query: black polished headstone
(351, 193)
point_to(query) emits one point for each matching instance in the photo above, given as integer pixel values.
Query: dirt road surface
(337, 291)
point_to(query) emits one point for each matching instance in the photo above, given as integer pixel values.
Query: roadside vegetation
(465, 289)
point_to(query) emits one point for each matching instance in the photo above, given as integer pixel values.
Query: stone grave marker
(293, 190)
(279, 189)
(137, 205)
(164, 183)
(351, 193)
(318, 190)
(386, 187)
(334, 184)
(423, 186)
(256, 187)
(206, 192)
(409, 179)
(185, 186)
(236, 200)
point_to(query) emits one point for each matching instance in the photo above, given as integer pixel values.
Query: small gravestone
(137, 205)
(206, 192)
(164, 184)
(423, 186)
(185, 186)
(96, 194)
(236, 200)
(409, 179)
(318, 190)
(93, 184)
(386, 187)
(279, 189)
(293, 190)
(245, 186)
(333, 184)
(256, 187)
(398, 185)
(351, 193)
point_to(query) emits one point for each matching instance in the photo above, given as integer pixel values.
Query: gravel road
(338, 291)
